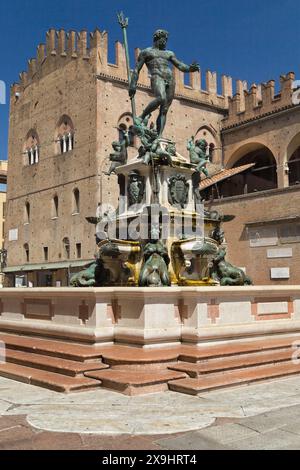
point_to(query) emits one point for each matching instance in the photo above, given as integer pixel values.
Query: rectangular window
(78, 250)
(263, 236)
(289, 233)
(45, 253)
(13, 235)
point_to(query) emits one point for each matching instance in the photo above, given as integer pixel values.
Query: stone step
(135, 383)
(57, 348)
(50, 380)
(125, 355)
(204, 383)
(51, 363)
(196, 354)
(224, 364)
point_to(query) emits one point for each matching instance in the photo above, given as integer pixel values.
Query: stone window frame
(55, 207)
(31, 150)
(76, 201)
(27, 210)
(212, 138)
(27, 252)
(125, 122)
(66, 248)
(64, 135)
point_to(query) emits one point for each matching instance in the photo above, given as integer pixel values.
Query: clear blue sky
(254, 40)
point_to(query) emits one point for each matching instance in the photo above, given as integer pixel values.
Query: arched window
(131, 137)
(64, 135)
(31, 148)
(55, 207)
(26, 250)
(27, 213)
(66, 246)
(293, 153)
(76, 201)
(121, 129)
(125, 123)
(206, 133)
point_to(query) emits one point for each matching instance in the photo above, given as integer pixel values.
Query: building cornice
(242, 197)
(262, 117)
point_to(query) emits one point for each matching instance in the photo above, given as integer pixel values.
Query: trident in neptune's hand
(123, 22)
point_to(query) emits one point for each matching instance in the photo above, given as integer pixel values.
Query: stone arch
(209, 134)
(261, 177)
(64, 135)
(125, 122)
(245, 148)
(31, 147)
(293, 160)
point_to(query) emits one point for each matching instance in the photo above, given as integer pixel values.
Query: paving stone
(226, 433)
(292, 427)
(15, 436)
(7, 422)
(295, 446)
(57, 441)
(272, 440)
(108, 414)
(267, 422)
(4, 405)
(118, 443)
(190, 441)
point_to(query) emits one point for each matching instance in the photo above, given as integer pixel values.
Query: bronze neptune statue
(157, 60)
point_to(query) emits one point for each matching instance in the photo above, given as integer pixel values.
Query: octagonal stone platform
(143, 340)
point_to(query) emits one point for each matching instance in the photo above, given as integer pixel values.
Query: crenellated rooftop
(258, 101)
(62, 47)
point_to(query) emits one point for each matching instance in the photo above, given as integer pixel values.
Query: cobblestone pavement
(260, 416)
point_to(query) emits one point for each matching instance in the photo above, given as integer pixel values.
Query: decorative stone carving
(135, 188)
(190, 261)
(178, 190)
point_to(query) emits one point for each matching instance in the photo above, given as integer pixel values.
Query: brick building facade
(3, 179)
(64, 114)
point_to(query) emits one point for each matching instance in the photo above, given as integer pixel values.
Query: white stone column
(64, 144)
(36, 154)
(70, 146)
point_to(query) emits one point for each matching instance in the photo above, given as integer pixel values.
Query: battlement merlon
(248, 104)
(62, 47)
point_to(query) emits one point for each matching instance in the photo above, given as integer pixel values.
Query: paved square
(260, 416)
